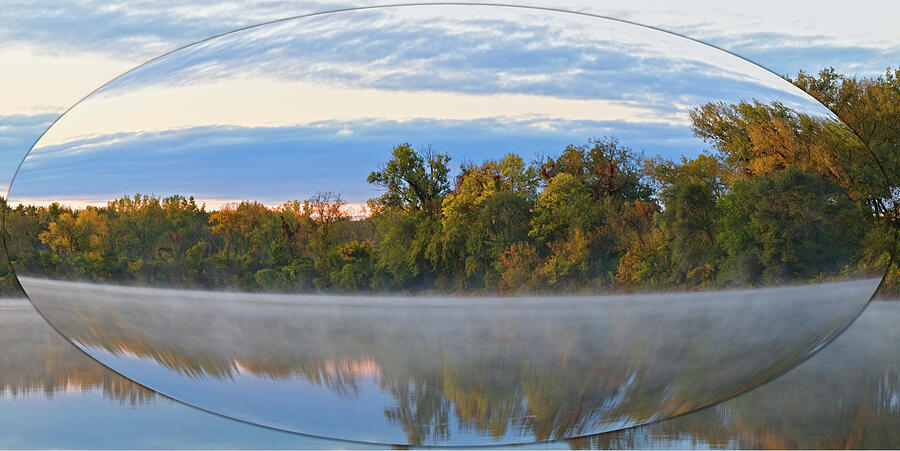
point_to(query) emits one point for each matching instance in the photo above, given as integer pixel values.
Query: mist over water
(818, 404)
(449, 370)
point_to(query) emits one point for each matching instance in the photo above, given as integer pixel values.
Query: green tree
(487, 211)
(407, 217)
(788, 227)
(413, 180)
(604, 166)
(565, 216)
(564, 206)
(689, 221)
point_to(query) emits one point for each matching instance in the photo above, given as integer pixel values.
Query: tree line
(780, 196)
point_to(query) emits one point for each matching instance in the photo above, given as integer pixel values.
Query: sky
(258, 89)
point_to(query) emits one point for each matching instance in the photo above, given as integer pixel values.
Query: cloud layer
(62, 50)
(280, 111)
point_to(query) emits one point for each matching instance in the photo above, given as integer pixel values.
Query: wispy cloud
(473, 50)
(141, 29)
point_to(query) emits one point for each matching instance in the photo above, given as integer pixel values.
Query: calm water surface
(461, 371)
(847, 396)
(54, 396)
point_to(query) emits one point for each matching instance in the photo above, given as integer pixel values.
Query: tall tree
(413, 180)
(488, 210)
(407, 216)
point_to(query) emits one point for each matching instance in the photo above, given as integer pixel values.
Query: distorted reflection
(846, 397)
(412, 302)
(449, 370)
(37, 360)
(53, 396)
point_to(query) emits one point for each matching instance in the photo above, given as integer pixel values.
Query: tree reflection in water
(452, 370)
(37, 359)
(848, 396)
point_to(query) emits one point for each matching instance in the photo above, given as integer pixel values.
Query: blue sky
(276, 164)
(91, 42)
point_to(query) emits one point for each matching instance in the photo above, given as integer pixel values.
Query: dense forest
(779, 197)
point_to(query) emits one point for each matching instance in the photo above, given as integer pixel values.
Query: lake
(450, 370)
(848, 395)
